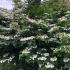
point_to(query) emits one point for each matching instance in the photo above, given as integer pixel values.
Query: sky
(7, 4)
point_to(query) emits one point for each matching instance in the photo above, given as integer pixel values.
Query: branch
(23, 39)
(34, 22)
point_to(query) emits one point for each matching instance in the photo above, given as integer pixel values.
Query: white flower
(68, 12)
(38, 52)
(53, 59)
(40, 21)
(25, 52)
(49, 65)
(14, 63)
(46, 54)
(27, 38)
(1, 61)
(14, 25)
(54, 29)
(43, 49)
(40, 65)
(42, 58)
(66, 59)
(44, 1)
(33, 57)
(62, 19)
(4, 61)
(67, 15)
(44, 36)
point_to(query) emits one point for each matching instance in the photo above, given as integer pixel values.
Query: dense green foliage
(37, 37)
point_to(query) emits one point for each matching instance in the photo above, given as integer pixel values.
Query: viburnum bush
(38, 36)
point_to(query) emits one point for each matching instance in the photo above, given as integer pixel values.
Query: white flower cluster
(33, 57)
(62, 19)
(46, 54)
(8, 60)
(25, 51)
(66, 60)
(40, 65)
(42, 58)
(5, 37)
(54, 29)
(65, 28)
(5, 28)
(68, 12)
(27, 38)
(49, 65)
(53, 59)
(43, 1)
(14, 25)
